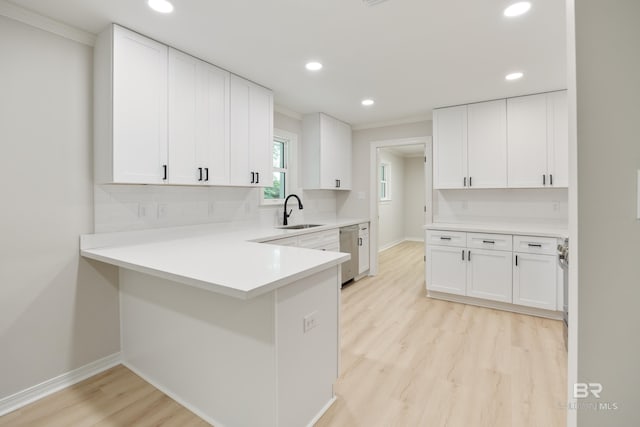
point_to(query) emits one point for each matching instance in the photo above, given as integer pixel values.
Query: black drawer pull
(493, 242)
(164, 168)
(199, 174)
(535, 245)
(463, 254)
(257, 177)
(206, 174)
(445, 238)
(550, 179)
(516, 260)
(464, 181)
(544, 179)
(253, 177)
(469, 256)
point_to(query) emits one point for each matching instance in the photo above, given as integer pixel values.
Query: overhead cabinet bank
(507, 143)
(165, 117)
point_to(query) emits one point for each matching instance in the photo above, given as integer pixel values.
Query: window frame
(384, 180)
(290, 155)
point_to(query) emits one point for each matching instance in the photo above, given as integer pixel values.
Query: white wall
(131, 207)
(391, 212)
(57, 311)
(355, 203)
(414, 198)
(543, 207)
(607, 69)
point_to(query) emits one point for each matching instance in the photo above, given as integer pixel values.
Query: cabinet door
(558, 139)
(527, 141)
(343, 152)
(139, 108)
(183, 118)
(535, 280)
(329, 152)
(363, 253)
(489, 275)
(261, 134)
(240, 173)
(450, 147)
(446, 271)
(487, 144)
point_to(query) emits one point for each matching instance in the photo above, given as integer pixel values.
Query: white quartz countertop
(518, 229)
(223, 258)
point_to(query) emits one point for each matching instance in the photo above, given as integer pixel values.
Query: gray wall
(414, 198)
(355, 203)
(391, 212)
(608, 108)
(57, 311)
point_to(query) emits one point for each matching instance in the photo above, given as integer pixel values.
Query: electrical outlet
(310, 321)
(147, 210)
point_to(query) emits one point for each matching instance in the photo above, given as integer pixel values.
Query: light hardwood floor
(407, 360)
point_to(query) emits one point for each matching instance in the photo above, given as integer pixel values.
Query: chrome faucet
(287, 215)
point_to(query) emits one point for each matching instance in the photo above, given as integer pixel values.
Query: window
(278, 192)
(385, 181)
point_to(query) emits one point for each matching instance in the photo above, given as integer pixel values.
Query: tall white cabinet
(198, 121)
(130, 104)
(487, 144)
(251, 134)
(326, 154)
(450, 147)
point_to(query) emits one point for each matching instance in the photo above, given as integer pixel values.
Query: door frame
(373, 188)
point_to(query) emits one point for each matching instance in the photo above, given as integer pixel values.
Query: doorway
(401, 188)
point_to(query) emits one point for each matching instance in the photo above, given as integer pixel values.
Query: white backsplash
(138, 207)
(545, 207)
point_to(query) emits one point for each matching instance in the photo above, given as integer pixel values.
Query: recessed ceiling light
(368, 102)
(162, 6)
(514, 76)
(313, 66)
(517, 9)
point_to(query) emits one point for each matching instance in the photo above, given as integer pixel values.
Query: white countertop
(518, 229)
(222, 258)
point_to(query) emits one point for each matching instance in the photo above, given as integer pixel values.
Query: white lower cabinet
(363, 248)
(489, 274)
(446, 269)
(535, 280)
(466, 264)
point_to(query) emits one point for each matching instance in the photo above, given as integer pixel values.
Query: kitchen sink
(299, 226)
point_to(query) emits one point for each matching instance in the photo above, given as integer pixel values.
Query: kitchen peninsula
(240, 332)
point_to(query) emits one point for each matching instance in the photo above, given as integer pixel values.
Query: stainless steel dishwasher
(349, 244)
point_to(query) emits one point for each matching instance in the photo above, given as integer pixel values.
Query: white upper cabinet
(251, 134)
(558, 139)
(537, 135)
(130, 108)
(326, 153)
(198, 121)
(163, 116)
(487, 144)
(514, 143)
(450, 147)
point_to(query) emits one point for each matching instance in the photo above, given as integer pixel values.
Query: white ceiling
(409, 55)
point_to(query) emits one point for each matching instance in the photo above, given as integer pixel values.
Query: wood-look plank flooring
(409, 360)
(406, 360)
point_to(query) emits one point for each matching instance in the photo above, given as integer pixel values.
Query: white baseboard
(414, 239)
(390, 245)
(31, 394)
(324, 409)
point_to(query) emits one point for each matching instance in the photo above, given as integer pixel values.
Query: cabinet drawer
(320, 239)
(500, 242)
(447, 238)
(535, 245)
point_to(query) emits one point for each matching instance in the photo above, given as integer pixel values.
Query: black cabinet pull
(206, 174)
(535, 245)
(544, 179)
(339, 183)
(200, 174)
(470, 181)
(516, 260)
(257, 177)
(445, 238)
(463, 254)
(164, 169)
(464, 181)
(359, 241)
(469, 256)
(492, 242)
(550, 179)
(253, 177)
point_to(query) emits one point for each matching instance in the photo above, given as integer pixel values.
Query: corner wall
(58, 311)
